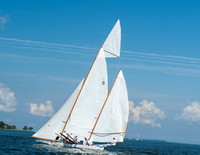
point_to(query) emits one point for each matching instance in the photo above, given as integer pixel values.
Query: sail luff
(103, 106)
(80, 91)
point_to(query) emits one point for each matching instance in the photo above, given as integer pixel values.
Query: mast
(103, 106)
(125, 131)
(45, 138)
(79, 92)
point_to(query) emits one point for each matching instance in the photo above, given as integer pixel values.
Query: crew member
(114, 141)
(85, 141)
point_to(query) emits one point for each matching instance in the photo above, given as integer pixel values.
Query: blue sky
(46, 48)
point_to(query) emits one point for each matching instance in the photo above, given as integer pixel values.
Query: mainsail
(55, 125)
(90, 99)
(113, 42)
(113, 119)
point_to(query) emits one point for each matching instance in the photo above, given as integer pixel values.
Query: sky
(47, 47)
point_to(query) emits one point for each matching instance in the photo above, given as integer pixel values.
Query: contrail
(44, 43)
(164, 62)
(65, 51)
(64, 48)
(159, 55)
(160, 58)
(42, 59)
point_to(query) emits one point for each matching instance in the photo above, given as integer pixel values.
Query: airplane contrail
(44, 43)
(128, 55)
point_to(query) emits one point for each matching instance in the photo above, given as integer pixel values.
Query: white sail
(113, 120)
(113, 42)
(90, 100)
(55, 125)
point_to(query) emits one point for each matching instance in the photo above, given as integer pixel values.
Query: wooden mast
(103, 106)
(80, 92)
(45, 138)
(125, 130)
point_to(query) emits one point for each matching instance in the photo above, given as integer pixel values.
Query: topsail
(112, 44)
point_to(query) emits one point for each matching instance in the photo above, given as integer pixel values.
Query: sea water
(19, 142)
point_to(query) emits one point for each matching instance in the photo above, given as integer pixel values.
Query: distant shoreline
(17, 130)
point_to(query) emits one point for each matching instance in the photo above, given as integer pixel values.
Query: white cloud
(7, 99)
(45, 110)
(146, 113)
(191, 113)
(3, 20)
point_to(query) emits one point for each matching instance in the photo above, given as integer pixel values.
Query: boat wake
(48, 147)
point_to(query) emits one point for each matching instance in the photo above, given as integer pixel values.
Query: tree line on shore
(7, 126)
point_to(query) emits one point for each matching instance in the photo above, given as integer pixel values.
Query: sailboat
(91, 111)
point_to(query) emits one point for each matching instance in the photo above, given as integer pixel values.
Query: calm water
(18, 142)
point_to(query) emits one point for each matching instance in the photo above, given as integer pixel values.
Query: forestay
(90, 100)
(113, 42)
(55, 125)
(113, 120)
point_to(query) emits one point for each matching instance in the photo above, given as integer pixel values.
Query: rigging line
(80, 91)
(103, 106)
(116, 69)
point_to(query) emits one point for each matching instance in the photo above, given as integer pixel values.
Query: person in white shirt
(85, 141)
(114, 141)
(76, 139)
(90, 143)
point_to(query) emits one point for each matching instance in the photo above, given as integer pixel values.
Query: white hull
(80, 146)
